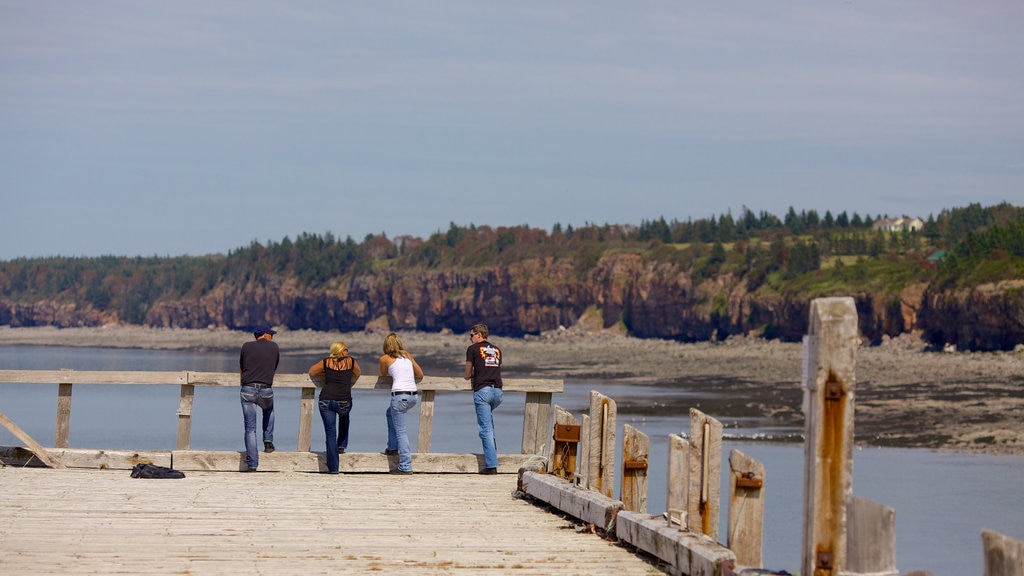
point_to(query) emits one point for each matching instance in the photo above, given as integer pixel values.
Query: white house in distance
(904, 224)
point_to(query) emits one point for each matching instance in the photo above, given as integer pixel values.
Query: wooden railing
(536, 419)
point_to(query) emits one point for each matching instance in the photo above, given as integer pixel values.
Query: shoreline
(905, 396)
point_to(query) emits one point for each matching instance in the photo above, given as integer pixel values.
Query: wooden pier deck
(77, 521)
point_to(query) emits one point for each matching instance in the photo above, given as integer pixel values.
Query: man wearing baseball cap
(258, 363)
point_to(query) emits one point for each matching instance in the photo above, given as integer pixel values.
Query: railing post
(705, 474)
(426, 426)
(185, 403)
(602, 443)
(306, 403)
(536, 420)
(60, 437)
(746, 509)
(830, 349)
(636, 448)
(678, 480)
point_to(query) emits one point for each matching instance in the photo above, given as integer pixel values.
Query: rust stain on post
(831, 451)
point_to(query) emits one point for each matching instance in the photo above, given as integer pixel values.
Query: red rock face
(622, 293)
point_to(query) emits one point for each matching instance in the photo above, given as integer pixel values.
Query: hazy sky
(195, 127)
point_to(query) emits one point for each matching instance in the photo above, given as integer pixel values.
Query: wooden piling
(636, 447)
(746, 509)
(602, 443)
(870, 538)
(565, 441)
(678, 480)
(828, 378)
(1004, 556)
(704, 492)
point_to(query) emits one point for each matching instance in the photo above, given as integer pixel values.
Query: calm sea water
(942, 501)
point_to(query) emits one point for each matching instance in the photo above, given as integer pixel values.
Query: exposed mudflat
(905, 395)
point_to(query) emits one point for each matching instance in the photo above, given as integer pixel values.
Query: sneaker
(341, 450)
(268, 447)
(390, 452)
(401, 472)
(489, 471)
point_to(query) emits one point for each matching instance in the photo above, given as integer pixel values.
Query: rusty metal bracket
(833, 390)
(824, 560)
(634, 464)
(749, 480)
(567, 433)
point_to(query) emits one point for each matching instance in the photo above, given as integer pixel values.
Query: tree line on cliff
(959, 279)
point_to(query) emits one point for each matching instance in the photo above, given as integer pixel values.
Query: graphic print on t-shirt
(491, 356)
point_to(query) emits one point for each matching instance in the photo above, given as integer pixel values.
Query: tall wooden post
(602, 443)
(705, 475)
(636, 448)
(830, 349)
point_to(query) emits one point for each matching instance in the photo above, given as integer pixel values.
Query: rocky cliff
(623, 292)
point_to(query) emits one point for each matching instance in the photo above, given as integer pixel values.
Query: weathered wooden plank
(231, 379)
(213, 523)
(688, 553)
(352, 462)
(636, 448)
(86, 458)
(870, 538)
(746, 509)
(587, 505)
(34, 446)
(830, 350)
(93, 377)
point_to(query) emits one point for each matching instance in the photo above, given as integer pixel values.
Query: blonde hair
(338, 350)
(393, 346)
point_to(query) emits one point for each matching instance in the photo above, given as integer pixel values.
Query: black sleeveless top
(337, 383)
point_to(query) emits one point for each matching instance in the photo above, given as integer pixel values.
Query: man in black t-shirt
(257, 365)
(483, 368)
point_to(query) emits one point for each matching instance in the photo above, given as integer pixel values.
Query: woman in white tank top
(399, 364)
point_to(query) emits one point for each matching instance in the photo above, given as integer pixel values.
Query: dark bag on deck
(154, 471)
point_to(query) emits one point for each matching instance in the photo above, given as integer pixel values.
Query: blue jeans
(335, 413)
(251, 398)
(486, 400)
(398, 435)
